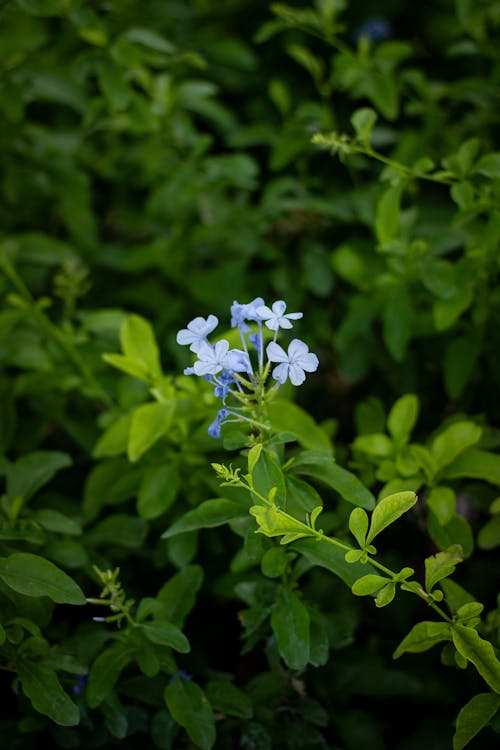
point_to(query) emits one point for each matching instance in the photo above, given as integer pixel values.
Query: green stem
(342, 545)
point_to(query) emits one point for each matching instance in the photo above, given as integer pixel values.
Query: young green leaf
(481, 653)
(441, 501)
(188, 705)
(402, 417)
(363, 121)
(290, 624)
(453, 441)
(148, 424)
(386, 595)
(475, 715)
(368, 584)
(358, 525)
(389, 510)
(442, 565)
(138, 343)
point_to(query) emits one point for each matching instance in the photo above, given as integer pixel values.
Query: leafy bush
(160, 161)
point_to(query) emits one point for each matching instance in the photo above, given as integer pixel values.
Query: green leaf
(387, 218)
(397, 315)
(128, 365)
(286, 416)
(267, 474)
(332, 558)
(272, 521)
(187, 703)
(475, 464)
(43, 7)
(441, 501)
(447, 311)
(148, 424)
(178, 595)
(230, 700)
(441, 565)
(33, 470)
(402, 418)
(368, 584)
(52, 520)
(323, 467)
(489, 165)
(41, 685)
(33, 575)
(138, 343)
(118, 529)
(460, 360)
(105, 671)
(376, 444)
(207, 515)
(114, 440)
(274, 562)
(158, 490)
(290, 624)
(422, 637)
(389, 510)
(475, 715)
(363, 121)
(481, 653)
(253, 456)
(456, 531)
(358, 525)
(386, 594)
(489, 535)
(165, 634)
(454, 440)
(301, 496)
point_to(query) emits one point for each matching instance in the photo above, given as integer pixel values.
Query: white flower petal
(276, 353)
(296, 374)
(280, 373)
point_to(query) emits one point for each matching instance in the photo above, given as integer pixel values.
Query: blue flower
(240, 313)
(214, 428)
(196, 332)
(213, 359)
(223, 384)
(293, 364)
(275, 317)
(376, 29)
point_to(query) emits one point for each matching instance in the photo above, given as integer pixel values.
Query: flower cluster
(239, 375)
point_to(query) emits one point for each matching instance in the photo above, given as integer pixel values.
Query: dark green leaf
(106, 670)
(290, 624)
(323, 467)
(34, 470)
(188, 705)
(208, 514)
(33, 575)
(41, 685)
(473, 717)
